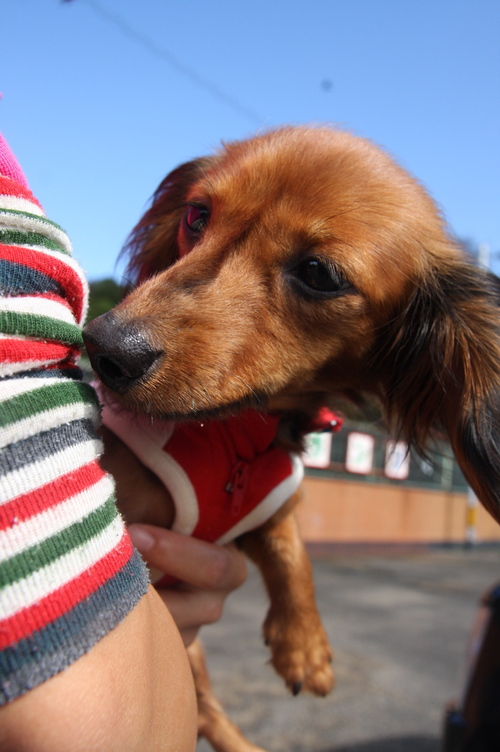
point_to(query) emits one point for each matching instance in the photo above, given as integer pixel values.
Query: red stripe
(31, 351)
(53, 606)
(53, 267)
(10, 187)
(30, 504)
(48, 296)
(71, 370)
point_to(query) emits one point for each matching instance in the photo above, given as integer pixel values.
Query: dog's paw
(300, 653)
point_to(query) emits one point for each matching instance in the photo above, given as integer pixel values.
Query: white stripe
(13, 336)
(269, 505)
(10, 369)
(48, 419)
(39, 307)
(45, 581)
(20, 482)
(17, 203)
(52, 521)
(41, 226)
(16, 387)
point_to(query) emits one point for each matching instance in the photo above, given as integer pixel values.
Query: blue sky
(101, 98)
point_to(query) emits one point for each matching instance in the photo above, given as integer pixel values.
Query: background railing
(349, 447)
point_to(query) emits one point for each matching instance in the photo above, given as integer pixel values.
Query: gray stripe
(68, 372)
(15, 279)
(52, 649)
(44, 444)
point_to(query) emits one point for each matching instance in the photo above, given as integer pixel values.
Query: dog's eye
(316, 276)
(196, 218)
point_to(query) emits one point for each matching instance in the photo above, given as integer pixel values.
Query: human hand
(207, 573)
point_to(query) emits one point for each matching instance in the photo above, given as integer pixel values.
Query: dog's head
(295, 265)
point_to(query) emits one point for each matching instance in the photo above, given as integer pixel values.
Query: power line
(152, 47)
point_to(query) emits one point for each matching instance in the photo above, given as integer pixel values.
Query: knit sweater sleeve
(68, 571)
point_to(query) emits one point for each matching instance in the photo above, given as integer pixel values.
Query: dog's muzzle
(119, 353)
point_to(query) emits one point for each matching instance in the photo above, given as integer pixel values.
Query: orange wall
(352, 512)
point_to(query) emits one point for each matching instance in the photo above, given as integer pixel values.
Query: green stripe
(37, 217)
(40, 327)
(42, 554)
(21, 237)
(46, 398)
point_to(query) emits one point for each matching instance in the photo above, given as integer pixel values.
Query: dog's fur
(282, 272)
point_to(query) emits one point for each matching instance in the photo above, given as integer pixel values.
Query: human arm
(132, 692)
(89, 656)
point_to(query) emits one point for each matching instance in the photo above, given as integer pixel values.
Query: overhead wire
(185, 70)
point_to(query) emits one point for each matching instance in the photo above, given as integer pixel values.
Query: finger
(191, 609)
(188, 636)
(202, 565)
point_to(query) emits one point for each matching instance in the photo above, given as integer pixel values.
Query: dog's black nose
(120, 353)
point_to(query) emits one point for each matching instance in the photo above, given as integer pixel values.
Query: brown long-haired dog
(286, 270)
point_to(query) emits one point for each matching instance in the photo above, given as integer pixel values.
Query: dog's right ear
(152, 245)
(440, 360)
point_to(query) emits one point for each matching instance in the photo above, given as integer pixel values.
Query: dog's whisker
(128, 283)
(208, 399)
(250, 389)
(345, 211)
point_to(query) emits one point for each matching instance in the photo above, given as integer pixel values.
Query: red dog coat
(225, 477)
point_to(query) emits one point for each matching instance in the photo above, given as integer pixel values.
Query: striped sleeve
(68, 571)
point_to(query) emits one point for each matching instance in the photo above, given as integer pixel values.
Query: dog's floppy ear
(441, 366)
(152, 245)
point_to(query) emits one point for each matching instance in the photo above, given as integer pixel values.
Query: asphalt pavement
(398, 623)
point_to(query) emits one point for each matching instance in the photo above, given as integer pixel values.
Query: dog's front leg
(213, 722)
(300, 651)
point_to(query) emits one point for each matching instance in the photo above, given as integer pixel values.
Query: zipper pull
(237, 486)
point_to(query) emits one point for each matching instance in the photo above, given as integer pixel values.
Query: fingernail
(141, 538)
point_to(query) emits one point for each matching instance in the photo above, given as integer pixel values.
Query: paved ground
(398, 624)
